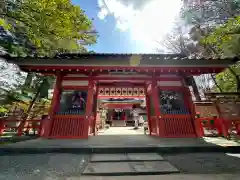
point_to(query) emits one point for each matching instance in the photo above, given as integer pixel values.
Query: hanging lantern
(130, 91)
(124, 91)
(112, 91)
(141, 91)
(106, 91)
(135, 91)
(101, 91)
(118, 91)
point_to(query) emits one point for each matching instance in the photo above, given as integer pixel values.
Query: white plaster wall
(169, 83)
(74, 83)
(76, 75)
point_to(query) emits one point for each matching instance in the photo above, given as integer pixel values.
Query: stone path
(122, 137)
(128, 164)
(204, 163)
(165, 177)
(111, 141)
(123, 131)
(55, 166)
(221, 141)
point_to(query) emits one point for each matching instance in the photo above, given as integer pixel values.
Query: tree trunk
(28, 80)
(195, 89)
(216, 84)
(236, 77)
(24, 119)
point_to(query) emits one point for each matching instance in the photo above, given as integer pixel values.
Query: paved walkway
(123, 131)
(111, 141)
(122, 137)
(119, 140)
(166, 177)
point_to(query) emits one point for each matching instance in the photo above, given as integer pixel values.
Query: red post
(1, 126)
(89, 108)
(221, 126)
(95, 109)
(156, 103)
(191, 107)
(237, 125)
(148, 109)
(48, 122)
(199, 127)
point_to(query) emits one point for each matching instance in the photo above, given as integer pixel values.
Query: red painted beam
(120, 97)
(191, 70)
(124, 78)
(122, 106)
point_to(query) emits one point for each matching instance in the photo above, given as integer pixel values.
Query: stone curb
(130, 173)
(118, 150)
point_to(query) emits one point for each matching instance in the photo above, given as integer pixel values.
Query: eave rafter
(149, 71)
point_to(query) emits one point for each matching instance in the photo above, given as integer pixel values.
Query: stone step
(118, 150)
(126, 157)
(164, 177)
(129, 168)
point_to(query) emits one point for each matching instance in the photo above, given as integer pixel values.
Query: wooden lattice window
(172, 102)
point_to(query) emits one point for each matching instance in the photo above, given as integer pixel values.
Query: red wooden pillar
(89, 108)
(190, 105)
(148, 108)
(1, 126)
(191, 108)
(48, 122)
(95, 107)
(156, 103)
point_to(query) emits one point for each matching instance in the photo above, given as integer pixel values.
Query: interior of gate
(170, 109)
(116, 102)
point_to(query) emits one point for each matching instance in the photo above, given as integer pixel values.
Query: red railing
(13, 124)
(153, 125)
(177, 126)
(69, 126)
(223, 127)
(174, 126)
(92, 125)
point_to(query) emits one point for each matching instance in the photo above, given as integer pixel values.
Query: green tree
(210, 19)
(54, 26)
(226, 40)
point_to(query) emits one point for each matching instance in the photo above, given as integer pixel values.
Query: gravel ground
(41, 166)
(204, 163)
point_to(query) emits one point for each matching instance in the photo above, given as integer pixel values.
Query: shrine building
(86, 83)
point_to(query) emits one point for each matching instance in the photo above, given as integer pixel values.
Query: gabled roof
(107, 62)
(119, 60)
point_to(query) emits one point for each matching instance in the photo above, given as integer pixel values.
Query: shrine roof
(119, 60)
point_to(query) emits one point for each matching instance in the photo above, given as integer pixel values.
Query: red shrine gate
(162, 79)
(162, 123)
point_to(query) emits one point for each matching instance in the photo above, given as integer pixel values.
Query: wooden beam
(97, 78)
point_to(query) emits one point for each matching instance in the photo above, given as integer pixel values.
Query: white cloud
(146, 20)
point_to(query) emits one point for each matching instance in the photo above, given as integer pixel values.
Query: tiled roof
(109, 55)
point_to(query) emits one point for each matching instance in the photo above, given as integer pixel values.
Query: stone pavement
(128, 141)
(123, 131)
(55, 166)
(128, 164)
(165, 177)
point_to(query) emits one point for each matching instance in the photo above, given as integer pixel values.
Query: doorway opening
(115, 114)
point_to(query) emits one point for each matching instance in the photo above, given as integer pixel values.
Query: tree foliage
(213, 32)
(48, 27)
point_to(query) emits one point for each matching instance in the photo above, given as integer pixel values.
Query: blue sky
(127, 26)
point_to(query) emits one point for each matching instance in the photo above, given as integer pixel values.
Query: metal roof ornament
(135, 60)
